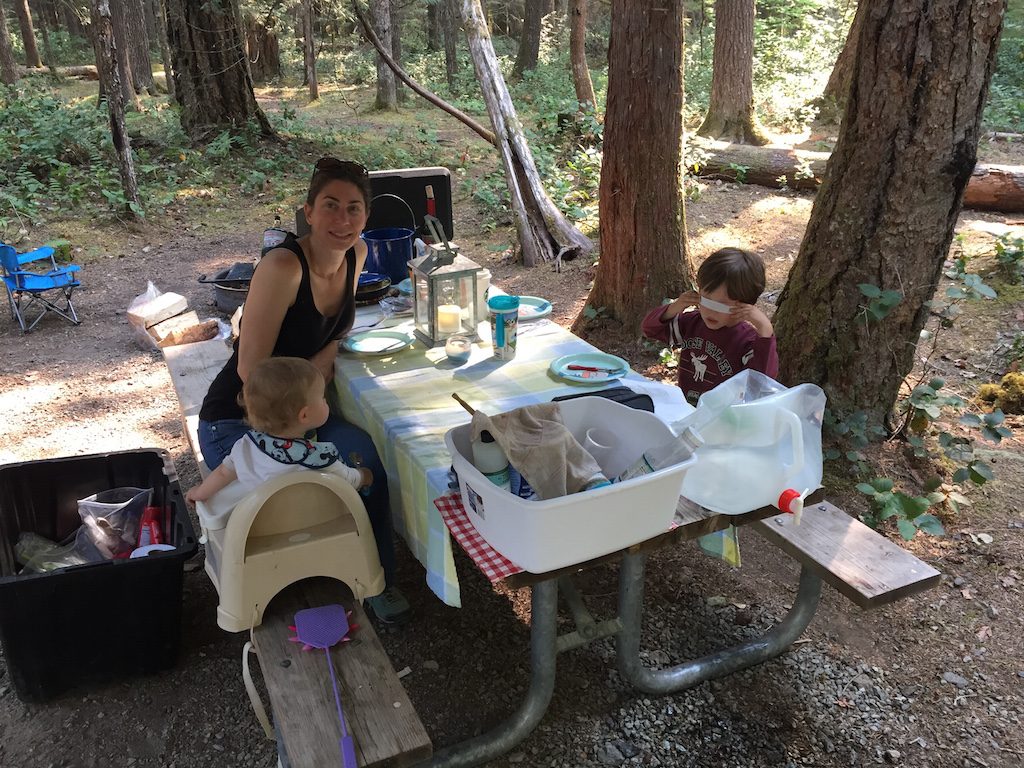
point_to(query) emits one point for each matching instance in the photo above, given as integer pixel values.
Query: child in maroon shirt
(726, 333)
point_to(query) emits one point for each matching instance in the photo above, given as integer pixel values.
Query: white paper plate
(377, 342)
(533, 307)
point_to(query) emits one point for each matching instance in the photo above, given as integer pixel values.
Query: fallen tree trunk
(88, 71)
(991, 187)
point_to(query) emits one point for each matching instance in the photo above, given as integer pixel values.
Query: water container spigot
(791, 502)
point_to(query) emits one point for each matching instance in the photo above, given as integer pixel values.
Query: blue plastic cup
(504, 316)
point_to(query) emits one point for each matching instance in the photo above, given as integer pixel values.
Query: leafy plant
(1010, 257)
(880, 303)
(910, 512)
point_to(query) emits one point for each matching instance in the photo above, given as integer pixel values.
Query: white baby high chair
(292, 527)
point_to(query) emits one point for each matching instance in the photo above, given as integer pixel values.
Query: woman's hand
(748, 313)
(685, 301)
(324, 361)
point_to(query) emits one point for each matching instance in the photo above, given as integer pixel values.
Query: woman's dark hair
(328, 169)
(741, 272)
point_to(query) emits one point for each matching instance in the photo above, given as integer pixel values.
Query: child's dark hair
(328, 169)
(276, 390)
(741, 272)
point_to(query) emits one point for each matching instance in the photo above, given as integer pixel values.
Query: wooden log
(87, 72)
(991, 187)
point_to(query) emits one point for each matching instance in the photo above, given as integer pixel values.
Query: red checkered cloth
(494, 565)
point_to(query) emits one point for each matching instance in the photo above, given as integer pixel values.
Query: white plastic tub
(542, 536)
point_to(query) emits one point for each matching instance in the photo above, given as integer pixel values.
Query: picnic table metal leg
(690, 673)
(499, 740)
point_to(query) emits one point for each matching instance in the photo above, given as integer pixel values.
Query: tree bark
(109, 74)
(529, 38)
(434, 42)
(211, 72)
(991, 187)
(578, 55)
(731, 109)
(309, 50)
(544, 233)
(165, 49)
(449, 28)
(834, 95)
(401, 95)
(8, 67)
(119, 23)
(380, 16)
(263, 49)
(137, 48)
(44, 32)
(644, 255)
(887, 208)
(28, 35)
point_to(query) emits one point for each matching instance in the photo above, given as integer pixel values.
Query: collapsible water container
(760, 440)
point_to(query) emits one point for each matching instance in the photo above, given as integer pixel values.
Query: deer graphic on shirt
(699, 366)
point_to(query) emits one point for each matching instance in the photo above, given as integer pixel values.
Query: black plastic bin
(100, 621)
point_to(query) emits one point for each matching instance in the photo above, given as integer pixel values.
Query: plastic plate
(405, 287)
(377, 342)
(611, 368)
(533, 307)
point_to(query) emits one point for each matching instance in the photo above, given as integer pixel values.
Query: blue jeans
(216, 439)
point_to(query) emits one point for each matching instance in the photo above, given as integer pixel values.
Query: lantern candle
(449, 318)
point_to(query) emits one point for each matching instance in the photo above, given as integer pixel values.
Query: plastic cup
(600, 443)
(504, 316)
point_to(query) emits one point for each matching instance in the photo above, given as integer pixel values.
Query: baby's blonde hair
(276, 390)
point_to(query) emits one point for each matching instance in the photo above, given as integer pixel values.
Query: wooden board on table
(383, 723)
(193, 368)
(859, 562)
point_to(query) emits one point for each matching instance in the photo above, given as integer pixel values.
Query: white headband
(715, 306)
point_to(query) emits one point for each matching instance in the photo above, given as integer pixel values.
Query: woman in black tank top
(301, 301)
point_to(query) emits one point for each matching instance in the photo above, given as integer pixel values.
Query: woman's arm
(272, 290)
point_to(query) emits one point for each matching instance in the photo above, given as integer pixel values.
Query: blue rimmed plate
(589, 368)
(533, 307)
(405, 287)
(377, 342)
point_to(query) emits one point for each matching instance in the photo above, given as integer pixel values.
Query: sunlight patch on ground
(22, 399)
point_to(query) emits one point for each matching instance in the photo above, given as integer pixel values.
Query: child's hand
(365, 478)
(750, 314)
(685, 301)
(193, 496)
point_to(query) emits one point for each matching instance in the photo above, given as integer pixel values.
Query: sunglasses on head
(333, 164)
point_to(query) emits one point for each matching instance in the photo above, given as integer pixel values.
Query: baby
(284, 401)
(727, 333)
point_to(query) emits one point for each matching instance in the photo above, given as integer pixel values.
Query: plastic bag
(39, 555)
(111, 519)
(759, 440)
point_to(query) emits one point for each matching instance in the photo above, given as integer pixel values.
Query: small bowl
(458, 348)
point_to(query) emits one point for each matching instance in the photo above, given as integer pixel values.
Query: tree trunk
(165, 49)
(731, 109)
(44, 32)
(529, 38)
(109, 74)
(544, 233)
(211, 72)
(263, 48)
(450, 29)
(886, 210)
(991, 187)
(838, 86)
(401, 94)
(380, 17)
(309, 50)
(578, 55)
(121, 33)
(644, 256)
(137, 49)
(434, 42)
(28, 35)
(8, 67)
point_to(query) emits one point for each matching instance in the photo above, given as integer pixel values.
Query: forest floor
(932, 681)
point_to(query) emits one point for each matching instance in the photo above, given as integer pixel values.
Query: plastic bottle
(597, 481)
(676, 451)
(519, 485)
(490, 459)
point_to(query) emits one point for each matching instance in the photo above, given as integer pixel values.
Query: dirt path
(946, 669)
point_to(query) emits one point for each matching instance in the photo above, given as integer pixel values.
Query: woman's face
(338, 214)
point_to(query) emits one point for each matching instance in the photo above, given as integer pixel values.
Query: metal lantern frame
(431, 276)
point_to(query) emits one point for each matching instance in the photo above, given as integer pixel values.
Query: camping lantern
(443, 296)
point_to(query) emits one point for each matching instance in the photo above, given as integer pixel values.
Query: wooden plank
(193, 368)
(383, 723)
(859, 562)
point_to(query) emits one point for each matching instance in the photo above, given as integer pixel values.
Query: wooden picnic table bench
(385, 727)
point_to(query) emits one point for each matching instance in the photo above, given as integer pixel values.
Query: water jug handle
(797, 430)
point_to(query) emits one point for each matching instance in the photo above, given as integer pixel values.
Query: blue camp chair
(46, 291)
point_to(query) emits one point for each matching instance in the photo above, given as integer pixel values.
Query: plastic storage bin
(542, 536)
(99, 621)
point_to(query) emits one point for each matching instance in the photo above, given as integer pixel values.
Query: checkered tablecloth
(404, 400)
(495, 566)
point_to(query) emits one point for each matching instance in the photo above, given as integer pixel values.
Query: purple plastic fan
(325, 627)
